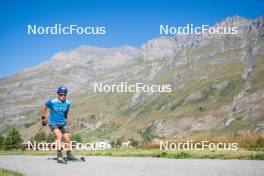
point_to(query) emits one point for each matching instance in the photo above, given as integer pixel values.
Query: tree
(13, 140)
(147, 135)
(2, 142)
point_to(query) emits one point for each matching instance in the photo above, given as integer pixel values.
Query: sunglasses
(62, 95)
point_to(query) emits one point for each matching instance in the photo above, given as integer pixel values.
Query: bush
(133, 143)
(118, 142)
(160, 154)
(201, 109)
(41, 136)
(257, 156)
(13, 140)
(50, 138)
(76, 137)
(182, 154)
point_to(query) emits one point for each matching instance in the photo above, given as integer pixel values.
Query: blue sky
(127, 22)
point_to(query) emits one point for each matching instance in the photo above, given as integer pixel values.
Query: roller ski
(70, 157)
(59, 158)
(65, 161)
(62, 160)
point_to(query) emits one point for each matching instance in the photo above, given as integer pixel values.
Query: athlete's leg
(66, 138)
(58, 135)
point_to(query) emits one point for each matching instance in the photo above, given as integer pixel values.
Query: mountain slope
(217, 86)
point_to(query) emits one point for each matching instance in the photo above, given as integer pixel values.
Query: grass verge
(156, 153)
(5, 172)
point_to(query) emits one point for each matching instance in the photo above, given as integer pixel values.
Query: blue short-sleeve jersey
(58, 111)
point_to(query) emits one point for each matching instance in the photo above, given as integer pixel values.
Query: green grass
(103, 132)
(156, 153)
(5, 172)
(236, 125)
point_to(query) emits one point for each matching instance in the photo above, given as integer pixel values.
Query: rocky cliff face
(217, 82)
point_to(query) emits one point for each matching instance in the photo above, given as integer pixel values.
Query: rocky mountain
(217, 81)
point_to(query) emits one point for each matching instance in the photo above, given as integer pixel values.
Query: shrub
(76, 137)
(201, 109)
(13, 140)
(257, 156)
(118, 142)
(133, 143)
(160, 154)
(39, 137)
(182, 154)
(50, 138)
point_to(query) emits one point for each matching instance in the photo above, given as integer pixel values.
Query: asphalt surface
(128, 166)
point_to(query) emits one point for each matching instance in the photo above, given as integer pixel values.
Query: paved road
(123, 166)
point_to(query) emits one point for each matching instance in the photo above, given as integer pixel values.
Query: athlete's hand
(44, 120)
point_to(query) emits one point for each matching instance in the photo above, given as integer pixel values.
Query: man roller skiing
(59, 109)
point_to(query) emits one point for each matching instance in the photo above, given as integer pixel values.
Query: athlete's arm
(43, 115)
(43, 110)
(66, 113)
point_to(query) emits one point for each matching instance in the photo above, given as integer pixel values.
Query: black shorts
(62, 127)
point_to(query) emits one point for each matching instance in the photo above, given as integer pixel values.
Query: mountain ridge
(217, 87)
